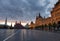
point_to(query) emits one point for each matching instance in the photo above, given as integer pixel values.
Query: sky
(25, 10)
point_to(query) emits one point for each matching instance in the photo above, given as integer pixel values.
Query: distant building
(27, 26)
(18, 26)
(11, 27)
(55, 17)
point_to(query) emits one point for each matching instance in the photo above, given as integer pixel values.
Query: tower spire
(40, 15)
(6, 21)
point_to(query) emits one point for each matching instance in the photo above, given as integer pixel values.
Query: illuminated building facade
(55, 17)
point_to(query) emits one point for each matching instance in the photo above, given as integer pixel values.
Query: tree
(45, 27)
(54, 25)
(42, 27)
(49, 26)
(58, 25)
(38, 27)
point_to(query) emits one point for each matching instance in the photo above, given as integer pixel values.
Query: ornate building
(55, 13)
(55, 16)
(39, 20)
(18, 26)
(47, 20)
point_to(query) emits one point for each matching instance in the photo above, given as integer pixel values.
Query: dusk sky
(25, 10)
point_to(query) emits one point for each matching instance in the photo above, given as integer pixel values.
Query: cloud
(25, 9)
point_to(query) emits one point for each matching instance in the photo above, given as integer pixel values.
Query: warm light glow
(23, 24)
(9, 23)
(2, 22)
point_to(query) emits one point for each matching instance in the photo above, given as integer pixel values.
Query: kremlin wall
(55, 17)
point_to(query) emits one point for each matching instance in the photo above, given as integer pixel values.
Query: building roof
(57, 3)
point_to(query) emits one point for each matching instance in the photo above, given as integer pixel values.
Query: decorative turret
(40, 15)
(32, 22)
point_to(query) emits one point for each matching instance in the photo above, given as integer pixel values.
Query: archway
(58, 25)
(58, 22)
